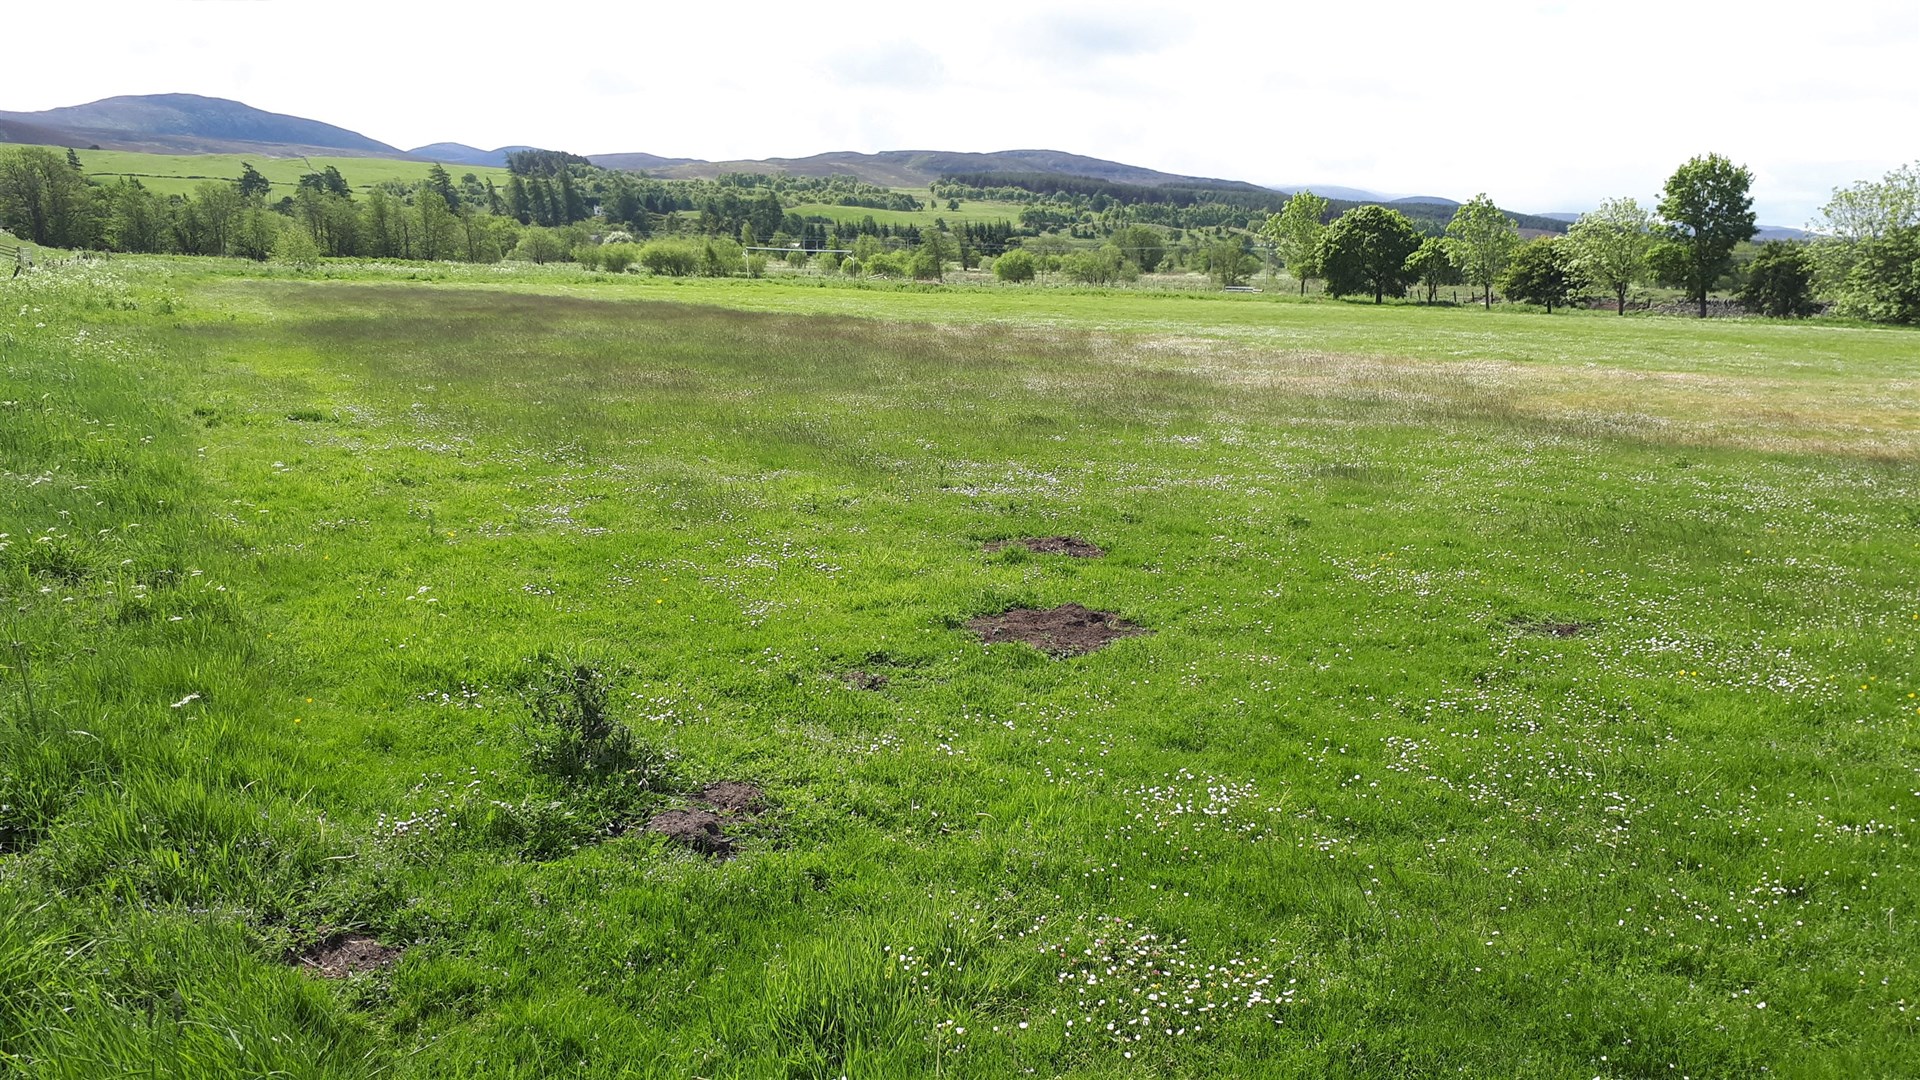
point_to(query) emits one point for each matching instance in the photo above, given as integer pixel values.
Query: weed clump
(606, 778)
(571, 737)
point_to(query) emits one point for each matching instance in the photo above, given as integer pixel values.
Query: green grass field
(981, 211)
(1523, 696)
(178, 174)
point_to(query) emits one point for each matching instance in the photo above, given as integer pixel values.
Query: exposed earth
(347, 954)
(1067, 630)
(1051, 545)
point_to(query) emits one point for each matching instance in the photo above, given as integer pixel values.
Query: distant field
(969, 211)
(176, 174)
(1518, 696)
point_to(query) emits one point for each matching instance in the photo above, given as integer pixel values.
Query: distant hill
(192, 124)
(640, 162)
(1767, 232)
(1334, 191)
(909, 168)
(453, 153)
(186, 124)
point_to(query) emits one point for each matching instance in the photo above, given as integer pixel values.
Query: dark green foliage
(1542, 271)
(1366, 251)
(1432, 266)
(441, 184)
(1143, 245)
(1709, 210)
(327, 181)
(1780, 282)
(252, 185)
(44, 200)
(542, 163)
(1230, 262)
(572, 736)
(930, 259)
(1883, 282)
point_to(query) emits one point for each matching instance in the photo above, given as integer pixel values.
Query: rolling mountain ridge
(187, 124)
(913, 168)
(194, 124)
(453, 153)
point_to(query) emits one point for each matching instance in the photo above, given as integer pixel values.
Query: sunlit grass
(1524, 697)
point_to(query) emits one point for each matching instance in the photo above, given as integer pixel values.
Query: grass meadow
(179, 174)
(1523, 696)
(974, 210)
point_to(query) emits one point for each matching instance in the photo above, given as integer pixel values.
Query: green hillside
(176, 174)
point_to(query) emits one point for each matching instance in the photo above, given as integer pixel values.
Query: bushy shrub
(538, 245)
(887, 264)
(295, 247)
(1103, 267)
(617, 257)
(674, 258)
(721, 258)
(1780, 282)
(1014, 266)
(1883, 282)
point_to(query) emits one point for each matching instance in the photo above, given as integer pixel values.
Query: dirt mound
(346, 954)
(863, 680)
(1549, 627)
(1068, 630)
(1051, 545)
(733, 797)
(697, 829)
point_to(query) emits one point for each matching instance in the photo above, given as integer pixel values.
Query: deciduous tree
(1142, 245)
(1015, 266)
(43, 200)
(1295, 234)
(1780, 281)
(1866, 256)
(1432, 265)
(1610, 246)
(1229, 262)
(1708, 210)
(1542, 271)
(1366, 250)
(1484, 238)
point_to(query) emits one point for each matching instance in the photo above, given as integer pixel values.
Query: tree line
(555, 206)
(1865, 262)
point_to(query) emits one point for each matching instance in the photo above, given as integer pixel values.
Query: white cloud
(1546, 106)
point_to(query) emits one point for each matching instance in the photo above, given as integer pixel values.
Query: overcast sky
(1546, 106)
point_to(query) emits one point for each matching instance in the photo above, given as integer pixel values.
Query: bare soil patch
(697, 829)
(734, 797)
(1051, 545)
(346, 954)
(1068, 630)
(1549, 627)
(863, 680)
